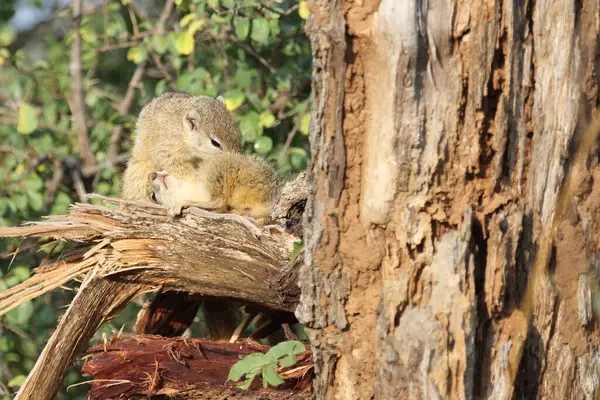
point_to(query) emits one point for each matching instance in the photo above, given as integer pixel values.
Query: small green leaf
(263, 145)
(21, 273)
(305, 123)
(28, 119)
(185, 43)
(36, 201)
(137, 55)
(20, 316)
(247, 365)
(187, 19)
(234, 99)
(228, 4)
(290, 347)
(242, 28)
(195, 26)
(298, 158)
(17, 381)
(250, 127)
(267, 119)
(270, 376)
(7, 35)
(4, 55)
(248, 382)
(160, 87)
(287, 361)
(303, 10)
(160, 44)
(298, 246)
(260, 30)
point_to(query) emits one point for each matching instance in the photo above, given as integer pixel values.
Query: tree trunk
(445, 256)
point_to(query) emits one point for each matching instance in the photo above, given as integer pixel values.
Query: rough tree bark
(441, 136)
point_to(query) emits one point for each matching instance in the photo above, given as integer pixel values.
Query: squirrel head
(209, 127)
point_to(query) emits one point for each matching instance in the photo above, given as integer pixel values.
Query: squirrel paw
(175, 211)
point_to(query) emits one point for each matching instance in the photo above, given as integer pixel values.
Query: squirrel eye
(215, 143)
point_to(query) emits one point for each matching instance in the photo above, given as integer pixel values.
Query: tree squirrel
(225, 182)
(175, 132)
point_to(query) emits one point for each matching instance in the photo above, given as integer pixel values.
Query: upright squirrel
(177, 132)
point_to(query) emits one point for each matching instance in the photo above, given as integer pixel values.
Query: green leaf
(305, 123)
(28, 119)
(160, 44)
(267, 119)
(247, 365)
(36, 201)
(260, 30)
(248, 382)
(263, 145)
(7, 35)
(298, 158)
(33, 183)
(242, 28)
(270, 376)
(287, 361)
(254, 100)
(185, 43)
(250, 127)
(228, 4)
(17, 381)
(187, 19)
(137, 55)
(290, 347)
(28, 347)
(234, 99)
(298, 246)
(160, 87)
(195, 26)
(21, 273)
(4, 55)
(303, 10)
(50, 112)
(20, 316)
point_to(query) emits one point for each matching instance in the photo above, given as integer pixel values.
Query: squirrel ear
(192, 120)
(221, 99)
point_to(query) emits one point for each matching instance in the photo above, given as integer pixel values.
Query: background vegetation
(66, 130)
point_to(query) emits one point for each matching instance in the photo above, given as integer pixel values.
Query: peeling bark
(441, 134)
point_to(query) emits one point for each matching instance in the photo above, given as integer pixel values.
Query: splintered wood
(204, 253)
(189, 368)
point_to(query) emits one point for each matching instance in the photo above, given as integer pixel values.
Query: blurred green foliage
(253, 53)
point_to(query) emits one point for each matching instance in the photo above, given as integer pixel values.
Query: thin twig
(76, 102)
(115, 140)
(290, 137)
(120, 158)
(164, 71)
(249, 50)
(57, 176)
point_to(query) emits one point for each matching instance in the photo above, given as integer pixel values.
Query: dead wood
(205, 253)
(146, 365)
(131, 249)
